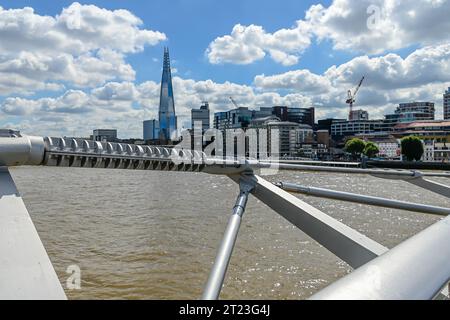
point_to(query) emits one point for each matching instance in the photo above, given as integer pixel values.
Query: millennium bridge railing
(418, 268)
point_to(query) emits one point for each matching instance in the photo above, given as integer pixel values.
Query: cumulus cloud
(425, 65)
(390, 79)
(83, 46)
(375, 26)
(247, 44)
(365, 26)
(81, 52)
(124, 105)
(302, 80)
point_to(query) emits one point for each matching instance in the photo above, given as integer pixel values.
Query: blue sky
(191, 25)
(57, 77)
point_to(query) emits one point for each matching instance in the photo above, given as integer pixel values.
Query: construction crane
(351, 98)
(234, 102)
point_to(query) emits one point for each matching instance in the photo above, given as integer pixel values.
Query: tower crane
(234, 102)
(351, 98)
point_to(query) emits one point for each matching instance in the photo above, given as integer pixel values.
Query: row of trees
(357, 147)
(412, 148)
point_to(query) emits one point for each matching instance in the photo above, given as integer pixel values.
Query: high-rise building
(167, 117)
(281, 112)
(301, 115)
(290, 135)
(233, 119)
(447, 104)
(151, 130)
(221, 120)
(201, 115)
(415, 111)
(409, 112)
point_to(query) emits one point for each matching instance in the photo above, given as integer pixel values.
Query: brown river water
(154, 235)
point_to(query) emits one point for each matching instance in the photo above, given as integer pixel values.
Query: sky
(67, 67)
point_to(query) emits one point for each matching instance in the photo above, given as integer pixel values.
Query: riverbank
(419, 165)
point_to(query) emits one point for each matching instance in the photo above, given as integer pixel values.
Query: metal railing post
(219, 269)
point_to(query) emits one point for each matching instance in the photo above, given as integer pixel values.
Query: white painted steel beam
(348, 244)
(25, 268)
(417, 268)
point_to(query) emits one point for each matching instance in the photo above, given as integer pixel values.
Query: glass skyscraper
(167, 118)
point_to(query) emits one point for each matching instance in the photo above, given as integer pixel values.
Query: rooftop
(419, 124)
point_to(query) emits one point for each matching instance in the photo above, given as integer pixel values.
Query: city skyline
(97, 66)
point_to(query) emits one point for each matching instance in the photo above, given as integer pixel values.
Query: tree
(355, 146)
(412, 148)
(371, 149)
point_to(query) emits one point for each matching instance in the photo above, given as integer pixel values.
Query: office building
(233, 119)
(297, 115)
(109, 135)
(201, 115)
(301, 115)
(359, 115)
(340, 130)
(164, 129)
(220, 121)
(151, 130)
(410, 112)
(280, 112)
(263, 112)
(241, 117)
(325, 124)
(167, 117)
(323, 137)
(447, 104)
(288, 137)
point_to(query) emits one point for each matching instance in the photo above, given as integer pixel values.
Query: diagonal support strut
(348, 244)
(219, 269)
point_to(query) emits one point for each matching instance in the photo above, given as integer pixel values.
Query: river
(154, 235)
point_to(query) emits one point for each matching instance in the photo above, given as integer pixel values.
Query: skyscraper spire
(167, 117)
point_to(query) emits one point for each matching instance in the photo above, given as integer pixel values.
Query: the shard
(167, 117)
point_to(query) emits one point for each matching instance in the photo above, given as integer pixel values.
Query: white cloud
(389, 79)
(364, 26)
(115, 91)
(83, 46)
(248, 44)
(124, 105)
(302, 80)
(55, 53)
(394, 24)
(424, 66)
